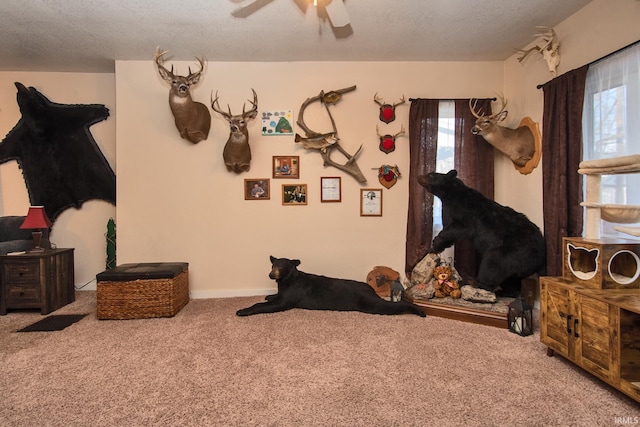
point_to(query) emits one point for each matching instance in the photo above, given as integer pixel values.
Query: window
(445, 153)
(611, 125)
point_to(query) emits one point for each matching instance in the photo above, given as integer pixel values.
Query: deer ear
(252, 114)
(503, 115)
(163, 73)
(195, 79)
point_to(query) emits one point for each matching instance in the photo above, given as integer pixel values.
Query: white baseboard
(230, 293)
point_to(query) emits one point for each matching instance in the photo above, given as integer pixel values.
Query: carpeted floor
(207, 367)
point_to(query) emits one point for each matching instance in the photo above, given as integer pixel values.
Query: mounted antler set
(192, 118)
(387, 111)
(550, 50)
(325, 143)
(521, 145)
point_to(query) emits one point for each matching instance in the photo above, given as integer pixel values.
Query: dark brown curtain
(562, 153)
(473, 160)
(423, 144)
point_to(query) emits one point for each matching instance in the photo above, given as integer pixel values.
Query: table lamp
(36, 220)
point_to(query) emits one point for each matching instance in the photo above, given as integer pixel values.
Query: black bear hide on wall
(61, 163)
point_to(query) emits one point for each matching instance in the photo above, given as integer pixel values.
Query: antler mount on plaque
(331, 140)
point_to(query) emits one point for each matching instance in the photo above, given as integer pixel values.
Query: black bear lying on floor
(511, 246)
(297, 289)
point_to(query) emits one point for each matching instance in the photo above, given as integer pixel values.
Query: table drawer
(22, 272)
(23, 295)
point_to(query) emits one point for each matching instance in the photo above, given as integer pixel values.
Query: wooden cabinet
(43, 280)
(597, 329)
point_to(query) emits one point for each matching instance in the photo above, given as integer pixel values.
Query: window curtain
(562, 148)
(423, 146)
(473, 161)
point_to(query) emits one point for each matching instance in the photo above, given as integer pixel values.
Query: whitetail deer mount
(237, 152)
(522, 145)
(331, 140)
(550, 49)
(192, 118)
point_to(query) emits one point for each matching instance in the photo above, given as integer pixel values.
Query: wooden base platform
(464, 314)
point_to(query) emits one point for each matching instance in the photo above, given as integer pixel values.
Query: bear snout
(275, 274)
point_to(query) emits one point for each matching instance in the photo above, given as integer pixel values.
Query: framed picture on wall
(294, 194)
(286, 166)
(330, 189)
(257, 189)
(371, 202)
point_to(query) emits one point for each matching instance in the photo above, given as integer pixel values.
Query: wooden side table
(43, 280)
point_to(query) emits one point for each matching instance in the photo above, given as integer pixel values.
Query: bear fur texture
(511, 246)
(297, 289)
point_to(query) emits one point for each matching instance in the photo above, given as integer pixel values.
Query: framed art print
(286, 166)
(330, 189)
(256, 189)
(371, 202)
(277, 122)
(295, 194)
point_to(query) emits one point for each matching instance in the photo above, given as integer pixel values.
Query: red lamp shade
(36, 218)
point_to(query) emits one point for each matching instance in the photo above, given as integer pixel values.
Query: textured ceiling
(89, 35)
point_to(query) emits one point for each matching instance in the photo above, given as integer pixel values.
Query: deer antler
(215, 106)
(159, 60)
(332, 97)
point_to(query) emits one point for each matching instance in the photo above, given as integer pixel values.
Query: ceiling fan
(335, 9)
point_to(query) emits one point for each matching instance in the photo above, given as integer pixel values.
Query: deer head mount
(192, 118)
(550, 49)
(521, 145)
(237, 153)
(388, 141)
(387, 111)
(326, 142)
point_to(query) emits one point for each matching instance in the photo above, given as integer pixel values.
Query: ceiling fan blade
(338, 14)
(244, 11)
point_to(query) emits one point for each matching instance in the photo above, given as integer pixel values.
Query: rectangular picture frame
(294, 194)
(330, 189)
(286, 167)
(257, 189)
(371, 202)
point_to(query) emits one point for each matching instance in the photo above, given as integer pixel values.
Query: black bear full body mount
(511, 246)
(297, 289)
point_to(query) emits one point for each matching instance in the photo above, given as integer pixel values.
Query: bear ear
(295, 262)
(272, 259)
(452, 173)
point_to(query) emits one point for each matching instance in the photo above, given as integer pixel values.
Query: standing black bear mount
(297, 289)
(511, 246)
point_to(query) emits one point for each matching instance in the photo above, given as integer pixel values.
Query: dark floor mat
(56, 322)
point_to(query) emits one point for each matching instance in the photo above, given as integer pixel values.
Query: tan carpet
(207, 367)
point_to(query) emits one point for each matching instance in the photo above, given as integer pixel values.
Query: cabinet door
(595, 333)
(555, 316)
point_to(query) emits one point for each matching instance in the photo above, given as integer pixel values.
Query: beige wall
(177, 202)
(82, 229)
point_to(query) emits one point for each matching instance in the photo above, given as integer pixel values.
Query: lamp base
(37, 238)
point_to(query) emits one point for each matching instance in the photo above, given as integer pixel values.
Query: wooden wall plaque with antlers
(327, 142)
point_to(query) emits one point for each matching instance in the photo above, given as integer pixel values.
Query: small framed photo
(257, 189)
(294, 194)
(286, 166)
(371, 202)
(330, 189)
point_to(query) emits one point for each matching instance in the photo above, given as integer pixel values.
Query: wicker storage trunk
(144, 290)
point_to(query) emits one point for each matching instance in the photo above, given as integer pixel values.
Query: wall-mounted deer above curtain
(522, 145)
(192, 118)
(237, 153)
(331, 138)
